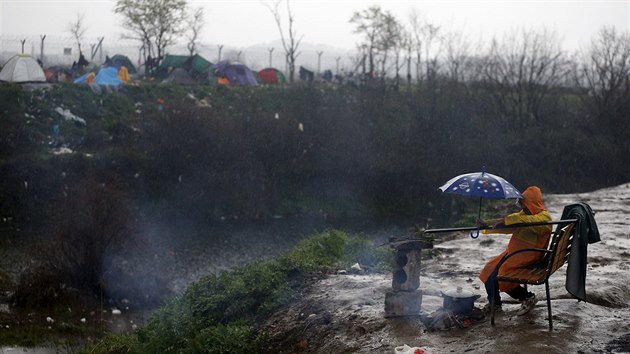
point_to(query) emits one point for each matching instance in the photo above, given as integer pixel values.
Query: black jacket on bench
(587, 232)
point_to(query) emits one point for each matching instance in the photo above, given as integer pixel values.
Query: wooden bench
(555, 256)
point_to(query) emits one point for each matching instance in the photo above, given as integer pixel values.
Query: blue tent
(236, 73)
(105, 76)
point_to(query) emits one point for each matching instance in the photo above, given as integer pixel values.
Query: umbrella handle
(473, 235)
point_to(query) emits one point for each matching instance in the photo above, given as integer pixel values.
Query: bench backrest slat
(561, 247)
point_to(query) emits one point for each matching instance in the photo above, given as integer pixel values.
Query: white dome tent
(22, 68)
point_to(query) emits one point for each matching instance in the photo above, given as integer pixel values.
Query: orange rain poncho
(90, 78)
(522, 237)
(123, 74)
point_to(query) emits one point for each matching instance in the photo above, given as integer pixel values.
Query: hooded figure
(90, 78)
(123, 74)
(533, 211)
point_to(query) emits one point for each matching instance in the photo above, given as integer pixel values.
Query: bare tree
(369, 24)
(427, 41)
(77, 29)
(457, 56)
(390, 41)
(155, 23)
(404, 53)
(604, 76)
(290, 40)
(416, 40)
(432, 49)
(382, 36)
(522, 69)
(195, 24)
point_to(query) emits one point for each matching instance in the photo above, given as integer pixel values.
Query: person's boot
(527, 305)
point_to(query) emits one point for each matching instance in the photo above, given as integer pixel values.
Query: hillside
(130, 195)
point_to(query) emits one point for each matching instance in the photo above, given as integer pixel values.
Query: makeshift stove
(405, 299)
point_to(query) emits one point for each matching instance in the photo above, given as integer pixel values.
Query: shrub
(319, 251)
(116, 344)
(40, 288)
(218, 313)
(227, 339)
(90, 221)
(363, 251)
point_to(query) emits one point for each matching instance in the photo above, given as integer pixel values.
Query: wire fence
(63, 50)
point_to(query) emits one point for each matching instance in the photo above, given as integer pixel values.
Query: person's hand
(498, 225)
(481, 223)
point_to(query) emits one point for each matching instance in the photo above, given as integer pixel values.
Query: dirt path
(345, 313)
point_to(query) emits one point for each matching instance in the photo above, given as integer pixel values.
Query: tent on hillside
(196, 66)
(118, 61)
(236, 73)
(107, 76)
(181, 77)
(271, 76)
(22, 68)
(58, 73)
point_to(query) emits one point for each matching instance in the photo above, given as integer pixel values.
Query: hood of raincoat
(532, 199)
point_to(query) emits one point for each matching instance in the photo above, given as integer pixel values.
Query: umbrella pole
(472, 235)
(479, 214)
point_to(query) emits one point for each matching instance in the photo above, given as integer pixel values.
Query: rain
(160, 194)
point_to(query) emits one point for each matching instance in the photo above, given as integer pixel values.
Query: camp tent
(236, 73)
(118, 61)
(107, 75)
(180, 76)
(196, 66)
(271, 76)
(22, 68)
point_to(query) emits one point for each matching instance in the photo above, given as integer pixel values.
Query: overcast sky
(241, 23)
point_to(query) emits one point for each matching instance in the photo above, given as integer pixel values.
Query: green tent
(119, 61)
(271, 76)
(195, 65)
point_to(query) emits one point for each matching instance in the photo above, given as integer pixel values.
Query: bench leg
(492, 302)
(548, 305)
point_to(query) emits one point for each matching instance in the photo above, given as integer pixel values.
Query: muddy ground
(344, 313)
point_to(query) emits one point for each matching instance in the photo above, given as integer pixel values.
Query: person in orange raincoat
(90, 78)
(123, 74)
(533, 211)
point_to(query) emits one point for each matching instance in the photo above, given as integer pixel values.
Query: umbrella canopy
(481, 184)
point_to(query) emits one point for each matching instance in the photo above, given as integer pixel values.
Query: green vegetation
(248, 154)
(321, 151)
(219, 313)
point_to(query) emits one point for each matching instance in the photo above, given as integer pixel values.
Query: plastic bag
(405, 349)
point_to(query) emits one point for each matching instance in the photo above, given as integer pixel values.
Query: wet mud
(344, 313)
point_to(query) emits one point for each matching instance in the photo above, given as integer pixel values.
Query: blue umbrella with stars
(483, 185)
